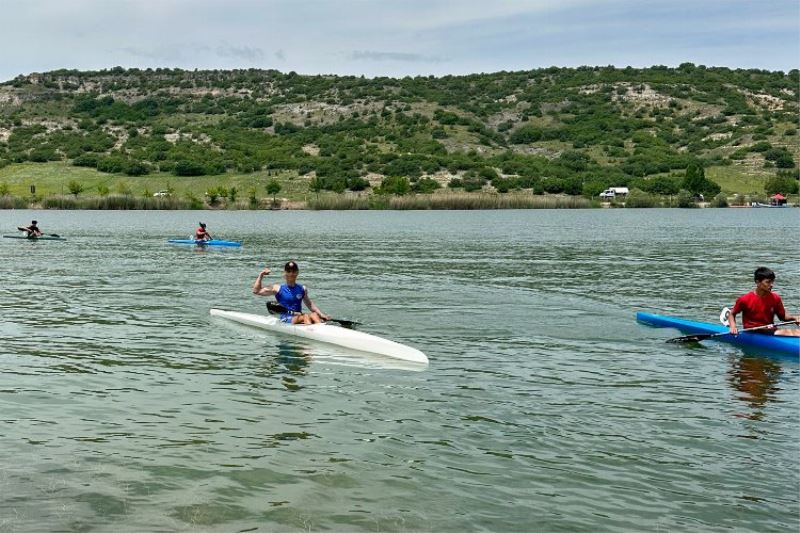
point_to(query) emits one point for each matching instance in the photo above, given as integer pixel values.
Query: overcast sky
(395, 37)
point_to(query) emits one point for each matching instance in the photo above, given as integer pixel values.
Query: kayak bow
(201, 242)
(753, 341)
(329, 334)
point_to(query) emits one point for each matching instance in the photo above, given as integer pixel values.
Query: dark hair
(763, 273)
(34, 222)
(291, 266)
(202, 225)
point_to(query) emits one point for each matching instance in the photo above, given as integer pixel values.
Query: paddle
(276, 308)
(704, 336)
(49, 234)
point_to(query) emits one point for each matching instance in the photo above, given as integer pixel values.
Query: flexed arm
(259, 289)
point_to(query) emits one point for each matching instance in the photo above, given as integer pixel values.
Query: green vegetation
(211, 137)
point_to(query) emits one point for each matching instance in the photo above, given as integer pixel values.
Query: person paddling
(32, 231)
(291, 295)
(201, 234)
(759, 306)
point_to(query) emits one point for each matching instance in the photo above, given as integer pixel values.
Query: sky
(395, 37)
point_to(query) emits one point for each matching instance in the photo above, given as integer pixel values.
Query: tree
(696, 182)
(75, 188)
(252, 198)
(273, 188)
(316, 184)
(398, 185)
(781, 184)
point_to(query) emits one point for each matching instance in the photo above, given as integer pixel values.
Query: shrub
(720, 200)
(685, 199)
(75, 188)
(426, 186)
(188, 168)
(637, 198)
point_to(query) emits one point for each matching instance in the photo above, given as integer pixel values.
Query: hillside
(554, 130)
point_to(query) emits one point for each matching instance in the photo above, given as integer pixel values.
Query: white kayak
(330, 334)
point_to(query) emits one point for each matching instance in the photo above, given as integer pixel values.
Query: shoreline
(451, 201)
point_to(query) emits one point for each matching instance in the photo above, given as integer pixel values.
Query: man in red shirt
(201, 234)
(760, 306)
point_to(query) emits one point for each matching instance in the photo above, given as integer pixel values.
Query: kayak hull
(329, 334)
(42, 238)
(753, 341)
(200, 242)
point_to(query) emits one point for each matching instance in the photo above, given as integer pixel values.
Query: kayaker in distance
(760, 306)
(201, 234)
(290, 295)
(32, 230)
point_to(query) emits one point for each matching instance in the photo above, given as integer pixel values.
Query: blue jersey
(291, 298)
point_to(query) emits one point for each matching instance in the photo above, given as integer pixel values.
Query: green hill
(575, 131)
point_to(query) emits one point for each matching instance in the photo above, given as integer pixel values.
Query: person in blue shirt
(290, 295)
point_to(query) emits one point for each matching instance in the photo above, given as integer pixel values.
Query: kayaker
(290, 295)
(32, 230)
(759, 307)
(201, 234)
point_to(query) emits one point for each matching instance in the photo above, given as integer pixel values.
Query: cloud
(189, 51)
(280, 55)
(159, 53)
(240, 52)
(372, 55)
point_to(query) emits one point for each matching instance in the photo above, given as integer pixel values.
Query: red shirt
(200, 233)
(759, 310)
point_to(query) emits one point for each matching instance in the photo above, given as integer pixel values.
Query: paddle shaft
(20, 228)
(704, 336)
(274, 307)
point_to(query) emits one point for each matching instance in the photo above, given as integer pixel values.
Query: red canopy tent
(777, 199)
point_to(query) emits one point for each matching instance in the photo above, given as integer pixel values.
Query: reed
(13, 202)
(115, 202)
(448, 200)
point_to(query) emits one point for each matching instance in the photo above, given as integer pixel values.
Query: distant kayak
(329, 334)
(200, 242)
(757, 341)
(42, 238)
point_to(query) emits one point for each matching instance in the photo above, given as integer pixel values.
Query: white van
(613, 192)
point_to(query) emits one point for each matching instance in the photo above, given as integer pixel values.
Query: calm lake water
(125, 407)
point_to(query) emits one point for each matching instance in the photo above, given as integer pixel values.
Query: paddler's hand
(264, 272)
(734, 330)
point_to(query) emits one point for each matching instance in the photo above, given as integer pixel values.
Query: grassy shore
(54, 178)
(115, 191)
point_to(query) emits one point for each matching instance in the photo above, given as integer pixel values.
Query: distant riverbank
(339, 202)
(350, 202)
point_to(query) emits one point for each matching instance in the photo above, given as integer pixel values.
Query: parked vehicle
(613, 192)
(160, 194)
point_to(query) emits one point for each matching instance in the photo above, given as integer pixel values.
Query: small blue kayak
(754, 341)
(201, 242)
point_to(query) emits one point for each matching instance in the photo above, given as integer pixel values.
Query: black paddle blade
(689, 338)
(349, 324)
(275, 308)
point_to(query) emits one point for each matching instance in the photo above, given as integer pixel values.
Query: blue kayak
(752, 341)
(201, 242)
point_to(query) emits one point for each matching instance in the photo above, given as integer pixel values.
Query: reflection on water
(295, 363)
(756, 379)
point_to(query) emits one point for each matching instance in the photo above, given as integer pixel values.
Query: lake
(545, 406)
